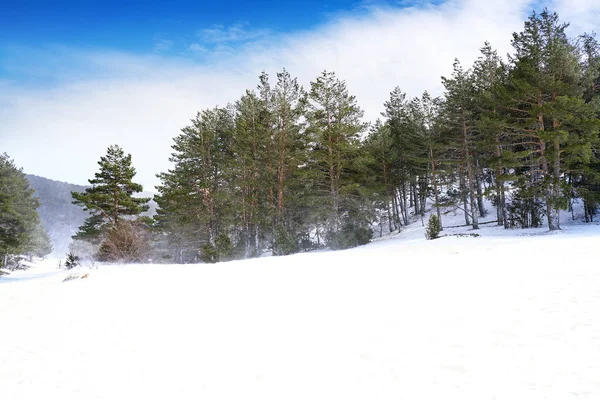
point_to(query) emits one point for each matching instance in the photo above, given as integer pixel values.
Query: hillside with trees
(287, 169)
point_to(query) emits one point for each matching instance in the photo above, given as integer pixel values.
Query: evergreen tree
(251, 148)
(434, 228)
(334, 124)
(585, 176)
(489, 73)
(110, 199)
(555, 125)
(377, 148)
(460, 123)
(20, 227)
(196, 198)
(290, 150)
(403, 142)
(71, 261)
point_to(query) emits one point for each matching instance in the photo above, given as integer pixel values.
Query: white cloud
(234, 33)
(583, 14)
(141, 102)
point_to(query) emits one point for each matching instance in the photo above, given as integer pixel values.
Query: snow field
(502, 316)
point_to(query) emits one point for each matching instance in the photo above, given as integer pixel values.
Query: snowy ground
(508, 315)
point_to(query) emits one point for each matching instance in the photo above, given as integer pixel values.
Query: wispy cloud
(197, 48)
(141, 101)
(229, 34)
(162, 45)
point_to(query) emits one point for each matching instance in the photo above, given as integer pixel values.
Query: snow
(507, 315)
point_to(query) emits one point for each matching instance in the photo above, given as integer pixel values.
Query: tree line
(288, 169)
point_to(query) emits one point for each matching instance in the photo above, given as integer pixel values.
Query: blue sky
(36, 29)
(137, 25)
(78, 76)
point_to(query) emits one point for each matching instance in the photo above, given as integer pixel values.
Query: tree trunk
(470, 174)
(280, 171)
(478, 183)
(463, 193)
(435, 188)
(404, 207)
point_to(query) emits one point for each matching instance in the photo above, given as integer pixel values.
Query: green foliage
(350, 235)
(286, 169)
(71, 261)
(334, 125)
(208, 253)
(224, 247)
(285, 242)
(434, 227)
(195, 197)
(20, 228)
(110, 198)
(112, 209)
(221, 250)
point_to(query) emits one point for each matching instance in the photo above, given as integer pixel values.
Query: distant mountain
(60, 217)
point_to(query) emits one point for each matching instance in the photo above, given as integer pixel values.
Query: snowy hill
(506, 315)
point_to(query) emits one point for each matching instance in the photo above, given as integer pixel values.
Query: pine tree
(489, 73)
(196, 197)
(290, 153)
(459, 114)
(19, 220)
(556, 126)
(585, 176)
(434, 228)
(334, 124)
(403, 143)
(71, 261)
(110, 199)
(377, 147)
(251, 149)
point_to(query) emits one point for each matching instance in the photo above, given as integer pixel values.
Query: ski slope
(508, 315)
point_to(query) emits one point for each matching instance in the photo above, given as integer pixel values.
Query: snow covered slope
(508, 315)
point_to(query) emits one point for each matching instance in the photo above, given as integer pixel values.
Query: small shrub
(72, 261)
(466, 235)
(70, 277)
(126, 241)
(433, 228)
